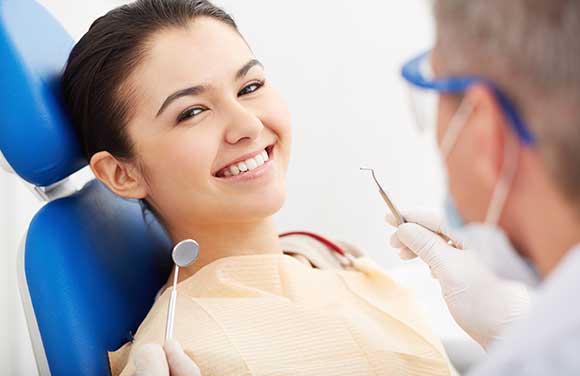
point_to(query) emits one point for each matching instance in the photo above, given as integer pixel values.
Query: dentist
(505, 79)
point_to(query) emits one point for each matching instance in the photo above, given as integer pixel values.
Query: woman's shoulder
(191, 317)
(321, 251)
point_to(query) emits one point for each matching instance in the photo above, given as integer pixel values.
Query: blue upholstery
(92, 263)
(33, 51)
(93, 267)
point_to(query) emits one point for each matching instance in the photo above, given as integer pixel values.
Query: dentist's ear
(123, 178)
(492, 132)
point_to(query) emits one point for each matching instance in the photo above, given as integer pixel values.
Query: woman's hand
(154, 360)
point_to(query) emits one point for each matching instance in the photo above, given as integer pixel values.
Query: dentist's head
(511, 139)
(172, 107)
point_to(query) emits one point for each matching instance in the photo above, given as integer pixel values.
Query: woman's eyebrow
(196, 90)
(246, 68)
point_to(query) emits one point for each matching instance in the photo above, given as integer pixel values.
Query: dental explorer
(398, 216)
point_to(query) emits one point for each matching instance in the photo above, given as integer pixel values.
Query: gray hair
(531, 50)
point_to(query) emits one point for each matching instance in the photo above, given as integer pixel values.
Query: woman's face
(211, 135)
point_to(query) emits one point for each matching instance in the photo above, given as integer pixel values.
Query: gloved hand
(483, 304)
(154, 360)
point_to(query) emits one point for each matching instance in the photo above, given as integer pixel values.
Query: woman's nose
(242, 124)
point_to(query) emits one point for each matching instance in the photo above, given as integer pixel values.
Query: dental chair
(90, 262)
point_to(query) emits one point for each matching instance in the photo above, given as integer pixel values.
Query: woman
(174, 109)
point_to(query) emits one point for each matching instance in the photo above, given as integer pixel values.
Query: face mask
(500, 191)
(487, 239)
(452, 216)
(458, 121)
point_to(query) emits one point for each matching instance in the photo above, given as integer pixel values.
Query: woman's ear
(491, 132)
(123, 178)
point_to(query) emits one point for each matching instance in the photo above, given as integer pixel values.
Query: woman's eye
(251, 88)
(190, 113)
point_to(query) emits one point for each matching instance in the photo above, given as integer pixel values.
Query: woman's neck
(224, 240)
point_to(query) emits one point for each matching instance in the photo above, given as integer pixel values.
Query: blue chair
(91, 262)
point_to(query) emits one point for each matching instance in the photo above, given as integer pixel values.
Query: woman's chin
(256, 208)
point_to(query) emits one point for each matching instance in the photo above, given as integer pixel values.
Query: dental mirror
(184, 254)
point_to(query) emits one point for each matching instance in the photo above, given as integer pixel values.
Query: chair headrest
(36, 138)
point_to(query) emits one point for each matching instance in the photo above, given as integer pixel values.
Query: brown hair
(93, 81)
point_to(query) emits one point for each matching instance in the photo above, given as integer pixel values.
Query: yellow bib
(273, 315)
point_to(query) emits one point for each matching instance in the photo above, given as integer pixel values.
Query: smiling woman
(174, 109)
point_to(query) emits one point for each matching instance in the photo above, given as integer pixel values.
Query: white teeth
(247, 165)
(242, 166)
(235, 170)
(259, 160)
(251, 163)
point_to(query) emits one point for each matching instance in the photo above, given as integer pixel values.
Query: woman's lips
(247, 165)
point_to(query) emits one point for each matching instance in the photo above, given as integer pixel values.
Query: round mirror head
(185, 252)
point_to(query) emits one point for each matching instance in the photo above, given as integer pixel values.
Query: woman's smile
(249, 167)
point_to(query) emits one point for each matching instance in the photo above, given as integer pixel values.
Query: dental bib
(275, 315)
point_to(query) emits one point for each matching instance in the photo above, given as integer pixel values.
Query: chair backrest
(92, 266)
(91, 262)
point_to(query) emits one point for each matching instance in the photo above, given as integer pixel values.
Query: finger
(395, 242)
(150, 360)
(432, 274)
(179, 363)
(390, 218)
(423, 242)
(406, 254)
(426, 218)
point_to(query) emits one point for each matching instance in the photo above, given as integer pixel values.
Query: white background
(337, 63)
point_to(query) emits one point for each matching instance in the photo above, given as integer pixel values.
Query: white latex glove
(480, 302)
(154, 360)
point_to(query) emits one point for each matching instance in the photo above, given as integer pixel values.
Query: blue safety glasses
(418, 73)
